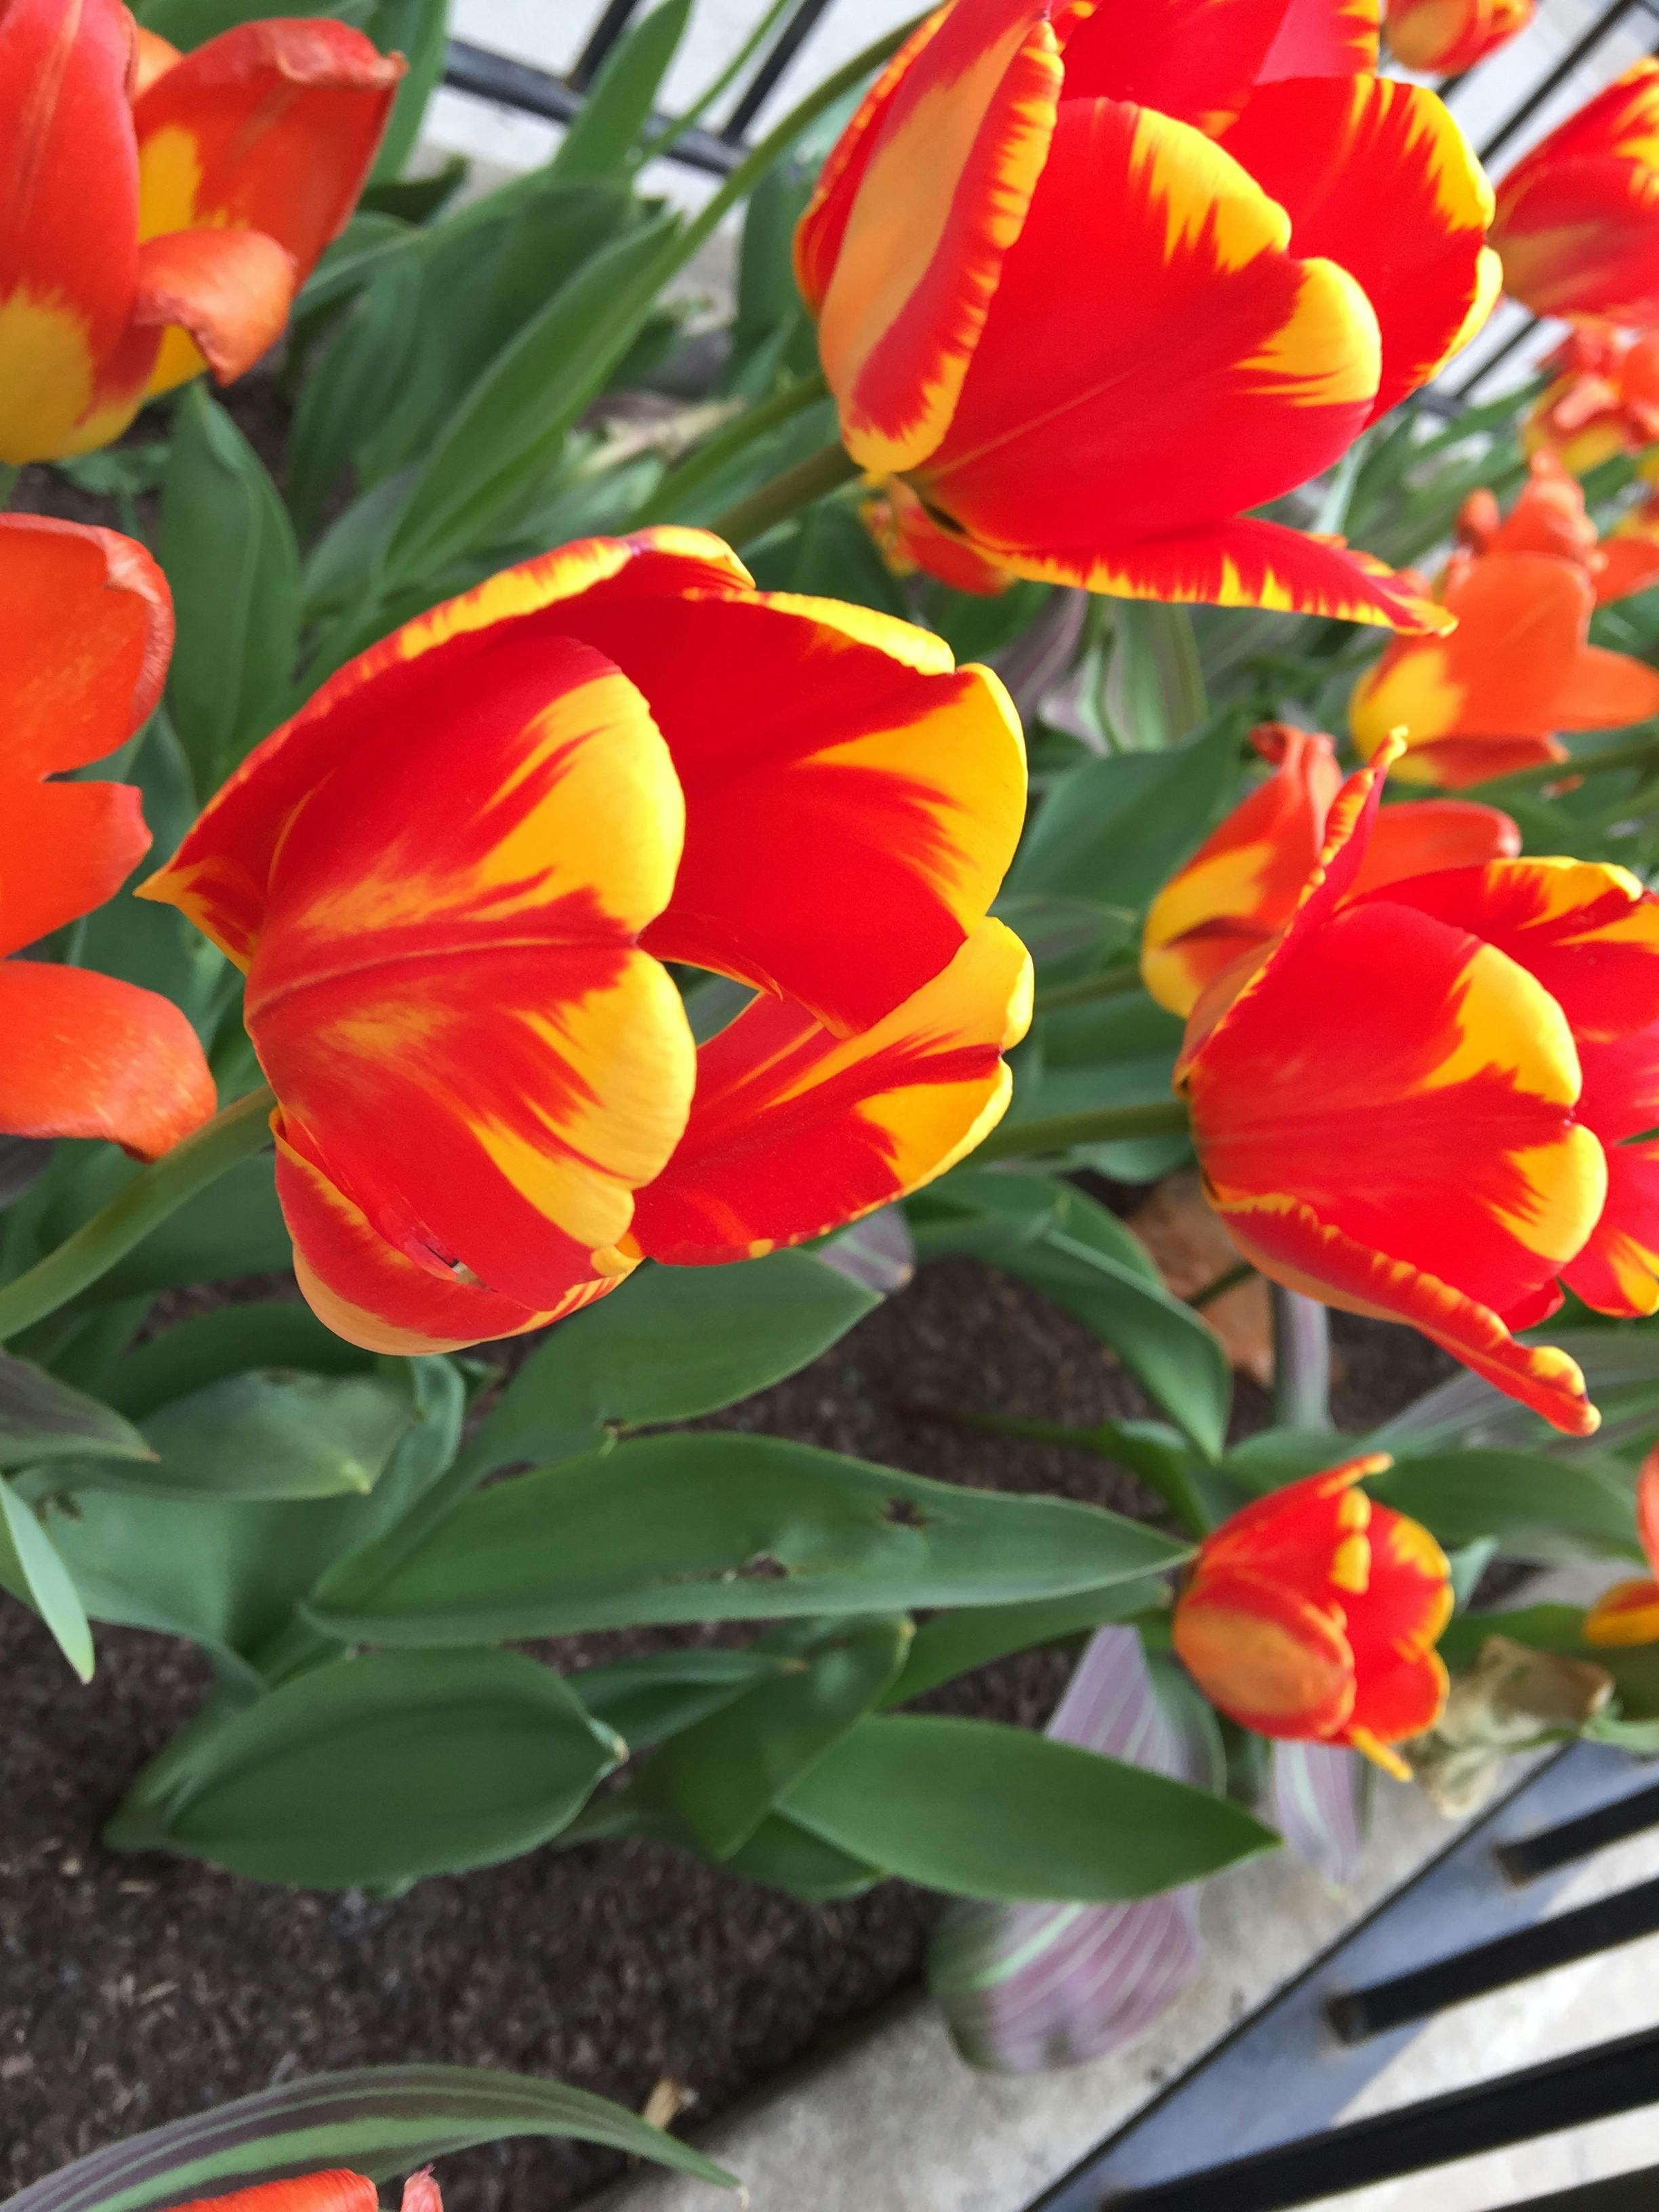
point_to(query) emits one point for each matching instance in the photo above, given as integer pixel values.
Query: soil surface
(135, 1989)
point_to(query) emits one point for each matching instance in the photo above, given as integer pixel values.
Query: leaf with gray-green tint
(953, 1643)
(42, 1418)
(1536, 1507)
(724, 1528)
(656, 1695)
(1114, 829)
(31, 1565)
(24, 1161)
(601, 141)
(785, 1856)
(204, 1347)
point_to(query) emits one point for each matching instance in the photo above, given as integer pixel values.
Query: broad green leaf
(419, 31)
(1535, 1507)
(234, 1228)
(34, 1568)
(953, 1643)
(190, 23)
(725, 1527)
(1118, 1051)
(352, 389)
(785, 1856)
(724, 1775)
(229, 551)
(42, 1418)
(204, 1347)
(983, 1810)
(360, 248)
(382, 2121)
(602, 139)
(1154, 689)
(670, 1344)
(657, 1694)
(382, 1769)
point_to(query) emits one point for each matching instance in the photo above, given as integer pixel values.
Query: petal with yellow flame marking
(414, 680)
(1311, 1536)
(1628, 1614)
(1575, 217)
(1402, 1681)
(1376, 176)
(1444, 38)
(1266, 1655)
(337, 2191)
(369, 1292)
(1151, 291)
(912, 537)
(959, 150)
(1197, 60)
(794, 1132)
(1424, 834)
(852, 801)
(1326, 37)
(88, 1055)
(223, 295)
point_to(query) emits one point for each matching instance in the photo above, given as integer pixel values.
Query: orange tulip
(86, 627)
(338, 2190)
(1312, 1614)
(1092, 282)
(1239, 888)
(1444, 38)
(143, 237)
(1604, 400)
(453, 879)
(1430, 1102)
(1629, 1612)
(1577, 225)
(1488, 700)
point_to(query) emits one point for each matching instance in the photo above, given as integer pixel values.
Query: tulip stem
(1097, 1125)
(1084, 990)
(730, 439)
(786, 495)
(10, 472)
(155, 1193)
(1302, 1360)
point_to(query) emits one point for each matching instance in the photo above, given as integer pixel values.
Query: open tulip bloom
(1429, 1101)
(1489, 699)
(158, 213)
(1444, 38)
(453, 880)
(1092, 281)
(1312, 1614)
(1576, 224)
(1602, 399)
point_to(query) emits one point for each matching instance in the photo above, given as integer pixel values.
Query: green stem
(786, 495)
(10, 472)
(1084, 990)
(726, 443)
(1230, 1280)
(1098, 1125)
(1302, 1360)
(155, 1193)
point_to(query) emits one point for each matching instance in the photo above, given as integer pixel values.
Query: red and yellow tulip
(86, 627)
(1092, 282)
(1629, 1612)
(1489, 699)
(454, 878)
(1240, 887)
(1602, 399)
(1430, 1101)
(158, 213)
(1577, 225)
(1443, 38)
(1312, 1614)
(337, 2191)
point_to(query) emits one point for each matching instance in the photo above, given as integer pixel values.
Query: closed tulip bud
(1576, 225)
(338, 2190)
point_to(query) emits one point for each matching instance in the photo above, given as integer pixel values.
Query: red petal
(1187, 58)
(88, 1055)
(1326, 37)
(86, 628)
(1268, 1658)
(1575, 220)
(1428, 833)
(230, 289)
(1628, 1614)
(64, 848)
(338, 2191)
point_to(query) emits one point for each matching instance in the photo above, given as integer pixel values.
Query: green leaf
(601, 141)
(658, 1693)
(785, 1856)
(1154, 689)
(229, 551)
(953, 1643)
(234, 1228)
(203, 1347)
(31, 1565)
(190, 23)
(383, 2121)
(979, 1809)
(42, 1418)
(419, 31)
(673, 1343)
(382, 1769)
(351, 389)
(1535, 1507)
(725, 1527)
(1116, 829)
(724, 1775)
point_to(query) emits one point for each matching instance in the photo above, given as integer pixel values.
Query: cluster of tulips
(1090, 288)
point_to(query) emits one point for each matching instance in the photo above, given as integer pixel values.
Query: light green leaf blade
(40, 1576)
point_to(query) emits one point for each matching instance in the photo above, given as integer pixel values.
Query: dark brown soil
(136, 1989)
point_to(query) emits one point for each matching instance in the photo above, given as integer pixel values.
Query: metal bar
(1529, 1857)
(790, 40)
(533, 91)
(1601, 1926)
(604, 34)
(1499, 355)
(1619, 2192)
(1538, 2100)
(1575, 57)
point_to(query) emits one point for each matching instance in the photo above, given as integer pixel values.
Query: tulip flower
(86, 627)
(453, 879)
(1576, 225)
(1239, 888)
(1489, 699)
(142, 238)
(1430, 1101)
(1091, 282)
(1629, 1612)
(1444, 38)
(1602, 400)
(1312, 1614)
(338, 2190)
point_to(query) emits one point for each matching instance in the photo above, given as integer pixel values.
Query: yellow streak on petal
(1210, 203)
(170, 179)
(47, 382)
(1224, 884)
(1373, 1748)
(1628, 1614)
(1411, 691)
(1350, 1563)
(1328, 353)
(1503, 1018)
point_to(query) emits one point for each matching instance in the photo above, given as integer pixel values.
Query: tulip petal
(1606, 690)
(368, 1291)
(230, 290)
(1271, 1659)
(961, 146)
(1077, 432)
(1575, 218)
(1197, 60)
(1618, 1271)
(1403, 1682)
(88, 1055)
(86, 628)
(1630, 561)
(417, 678)
(800, 726)
(1628, 1614)
(794, 1132)
(335, 2191)
(1376, 175)
(64, 848)
(1326, 37)
(462, 1011)
(911, 537)
(1426, 835)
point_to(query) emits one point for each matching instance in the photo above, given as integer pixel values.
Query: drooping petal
(793, 1131)
(1376, 175)
(335, 2191)
(220, 295)
(959, 148)
(88, 1055)
(1268, 1657)
(852, 801)
(1577, 217)
(1197, 60)
(1628, 1614)
(64, 848)
(1428, 833)
(1607, 691)
(1630, 558)
(1156, 360)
